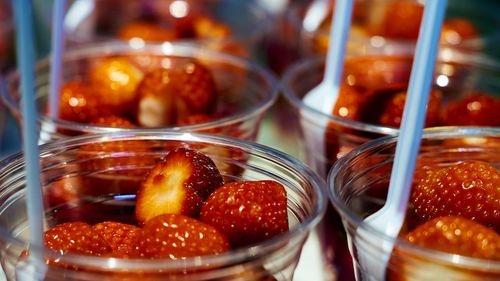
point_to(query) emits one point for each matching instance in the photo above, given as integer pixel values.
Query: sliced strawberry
(177, 185)
(469, 189)
(75, 237)
(455, 31)
(122, 238)
(173, 93)
(477, 109)
(393, 110)
(178, 237)
(146, 31)
(247, 212)
(118, 78)
(457, 235)
(81, 102)
(113, 121)
(402, 20)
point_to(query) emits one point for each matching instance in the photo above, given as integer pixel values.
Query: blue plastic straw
(56, 56)
(410, 133)
(339, 32)
(25, 55)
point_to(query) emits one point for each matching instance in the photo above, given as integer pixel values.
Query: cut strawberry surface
(178, 237)
(77, 238)
(247, 212)
(122, 238)
(470, 189)
(177, 185)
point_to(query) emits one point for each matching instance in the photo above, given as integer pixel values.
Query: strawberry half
(475, 110)
(177, 185)
(122, 238)
(77, 238)
(247, 212)
(178, 237)
(469, 189)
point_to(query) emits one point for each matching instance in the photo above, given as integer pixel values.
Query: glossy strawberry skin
(477, 109)
(457, 235)
(122, 238)
(469, 189)
(247, 212)
(177, 185)
(402, 20)
(77, 238)
(177, 237)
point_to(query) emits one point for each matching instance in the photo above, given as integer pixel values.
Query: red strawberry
(469, 189)
(475, 110)
(177, 185)
(113, 121)
(178, 237)
(455, 31)
(402, 20)
(393, 111)
(118, 78)
(205, 27)
(247, 212)
(81, 102)
(75, 237)
(122, 238)
(349, 104)
(146, 31)
(173, 93)
(457, 235)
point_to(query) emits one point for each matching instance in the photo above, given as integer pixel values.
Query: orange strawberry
(113, 121)
(122, 238)
(477, 109)
(206, 28)
(349, 104)
(118, 78)
(81, 102)
(169, 94)
(177, 237)
(393, 110)
(469, 189)
(146, 31)
(402, 20)
(457, 235)
(63, 191)
(455, 31)
(75, 237)
(177, 185)
(247, 212)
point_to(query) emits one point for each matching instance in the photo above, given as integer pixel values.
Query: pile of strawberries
(183, 209)
(454, 209)
(141, 91)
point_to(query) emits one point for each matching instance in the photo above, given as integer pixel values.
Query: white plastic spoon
(390, 218)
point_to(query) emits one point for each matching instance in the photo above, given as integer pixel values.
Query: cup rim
(233, 256)
(445, 55)
(165, 48)
(358, 222)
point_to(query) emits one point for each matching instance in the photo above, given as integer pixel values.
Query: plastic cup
(63, 165)
(368, 25)
(244, 90)
(357, 186)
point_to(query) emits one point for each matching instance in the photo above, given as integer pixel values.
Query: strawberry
(477, 109)
(81, 102)
(63, 191)
(402, 20)
(457, 235)
(122, 238)
(146, 31)
(77, 238)
(177, 185)
(393, 110)
(247, 212)
(350, 103)
(118, 78)
(469, 189)
(169, 94)
(113, 121)
(205, 27)
(455, 31)
(177, 237)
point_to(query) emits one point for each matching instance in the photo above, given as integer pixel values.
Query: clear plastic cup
(244, 90)
(368, 25)
(69, 163)
(357, 186)
(232, 26)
